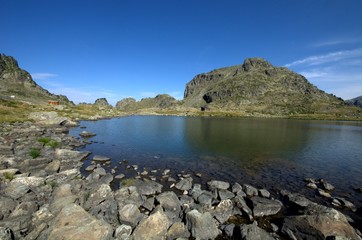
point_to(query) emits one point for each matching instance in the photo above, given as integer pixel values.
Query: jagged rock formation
(355, 101)
(17, 84)
(161, 101)
(102, 102)
(258, 86)
(125, 103)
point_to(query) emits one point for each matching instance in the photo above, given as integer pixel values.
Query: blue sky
(116, 49)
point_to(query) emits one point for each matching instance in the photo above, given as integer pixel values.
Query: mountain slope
(357, 101)
(258, 86)
(18, 84)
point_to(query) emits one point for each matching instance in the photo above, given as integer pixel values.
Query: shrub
(34, 152)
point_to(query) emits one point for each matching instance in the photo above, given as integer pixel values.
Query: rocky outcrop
(125, 104)
(102, 102)
(258, 86)
(17, 84)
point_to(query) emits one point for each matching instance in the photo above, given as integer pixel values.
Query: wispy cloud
(336, 41)
(339, 72)
(42, 76)
(327, 58)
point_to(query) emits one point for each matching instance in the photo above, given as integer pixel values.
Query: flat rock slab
(73, 222)
(265, 207)
(99, 158)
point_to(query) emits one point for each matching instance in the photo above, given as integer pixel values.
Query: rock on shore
(44, 196)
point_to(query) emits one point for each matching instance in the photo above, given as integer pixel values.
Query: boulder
(241, 204)
(153, 228)
(265, 207)
(85, 134)
(73, 222)
(67, 154)
(129, 214)
(123, 232)
(169, 201)
(48, 118)
(184, 184)
(148, 187)
(250, 190)
(253, 232)
(223, 211)
(225, 194)
(177, 230)
(127, 195)
(214, 184)
(99, 158)
(201, 225)
(318, 222)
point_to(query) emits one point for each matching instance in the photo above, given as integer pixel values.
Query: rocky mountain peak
(255, 63)
(19, 85)
(102, 102)
(7, 63)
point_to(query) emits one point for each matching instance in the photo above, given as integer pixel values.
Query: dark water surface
(270, 153)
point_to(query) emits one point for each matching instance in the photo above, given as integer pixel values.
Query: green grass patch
(8, 176)
(34, 152)
(48, 142)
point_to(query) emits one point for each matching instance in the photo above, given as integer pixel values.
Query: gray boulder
(241, 204)
(177, 230)
(73, 222)
(250, 190)
(223, 211)
(265, 207)
(153, 228)
(253, 232)
(148, 187)
(123, 232)
(129, 214)
(318, 222)
(169, 201)
(201, 225)
(214, 184)
(184, 184)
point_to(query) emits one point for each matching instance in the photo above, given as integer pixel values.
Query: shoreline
(47, 197)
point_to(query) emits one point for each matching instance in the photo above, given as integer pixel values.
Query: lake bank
(44, 196)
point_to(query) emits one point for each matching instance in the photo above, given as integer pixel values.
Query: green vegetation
(34, 152)
(8, 176)
(47, 141)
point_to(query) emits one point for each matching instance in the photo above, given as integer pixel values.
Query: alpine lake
(271, 153)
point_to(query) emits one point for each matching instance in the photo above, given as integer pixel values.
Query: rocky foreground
(44, 196)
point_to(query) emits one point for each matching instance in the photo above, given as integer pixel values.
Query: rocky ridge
(357, 101)
(17, 84)
(258, 86)
(161, 101)
(44, 196)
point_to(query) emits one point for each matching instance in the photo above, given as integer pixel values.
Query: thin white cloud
(42, 76)
(327, 58)
(337, 41)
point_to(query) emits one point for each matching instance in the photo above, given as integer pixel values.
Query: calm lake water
(271, 153)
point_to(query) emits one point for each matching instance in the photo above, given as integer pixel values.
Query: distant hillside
(258, 86)
(17, 84)
(355, 101)
(161, 101)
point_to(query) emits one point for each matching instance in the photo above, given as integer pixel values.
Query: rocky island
(43, 194)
